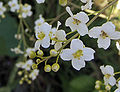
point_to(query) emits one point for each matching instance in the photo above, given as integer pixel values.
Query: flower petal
(76, 44)
(78, 64)
(82, 17)
(115, 35)
(103, 43)
(108, 27)
(112, 81)
(66, 54)
(95, 32)
(88, 53)
(46, 42)
(69, 22)
(37, 44)
(82, 29)
(109, 70)
(57, 45)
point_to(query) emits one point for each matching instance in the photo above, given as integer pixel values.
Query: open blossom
(2, 9)
(104, 33)
(78, 53)
(27, 65)
(28, 50)
(118, 85)
(39, 22)
(77, 22)
(40, 1)
(43, 36)
(58, 36)
(17, 50)
(88, 4)
(26, 10)
(108, 73)
(34, 74)
(13, 5)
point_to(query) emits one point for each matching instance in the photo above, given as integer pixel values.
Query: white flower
(39, 22)
(26, 10)
(20, 64)
(78, 54)
(40, 1)
(77, 22)
(104, 34)
(88, 4)
(28, 64)
(118, 89)
(43, 36)
(58, 35)
(108, 73)
(17, 50)
(28, 50)
(2, 8)
(34, 74)
(13, 5)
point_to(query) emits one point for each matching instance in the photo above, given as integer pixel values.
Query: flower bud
(32, 54)
(53, 52)
(20, 82)
(63, 2)
(98, 82)
(55, 67)
(20, 73)
(47, 68)
(34, 66)
(97, 87)
(40, 53)
(38, 61)
(107, 87)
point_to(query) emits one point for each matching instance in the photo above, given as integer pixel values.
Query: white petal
(60, 34)
(109, 70)
(82, 29)
(78, 64)
(115, 35)
(117, 90)
(40, 1)
(84, 1)
(102, 68)
(108, 27)
(69, 22)
(112, 81)
(106, 80)
(95, 32)
(46, 42)
(57, 45)
(103, 43)
(66, 54)
(88, 53)
(37, 44)
(69, 11)
(76, 44)
(81, 16)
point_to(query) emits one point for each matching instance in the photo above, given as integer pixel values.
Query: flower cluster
(109, 79)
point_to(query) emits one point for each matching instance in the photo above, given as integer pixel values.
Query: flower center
(76, 21)
(103, 34)
(41, 35)
(107, 76)
(13, 5)
(78, 54)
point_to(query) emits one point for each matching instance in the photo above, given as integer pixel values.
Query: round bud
(25, 76)
(29, 82)
(20, 73)
(63, 2)
(32, 54)
(34, 66)
(40, 53)
(53, 52)
(38, 61)
(100, 91)
(97, 87)
(47, 68)
(107, 87)
(55, 67)
(98, 82)
(20, 82)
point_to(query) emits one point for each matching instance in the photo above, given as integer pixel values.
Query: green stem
(71, 32)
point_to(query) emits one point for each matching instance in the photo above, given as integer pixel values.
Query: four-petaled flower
(88, 4)
(104, 33)
(77, 22)
(78, 53)
(108, 73)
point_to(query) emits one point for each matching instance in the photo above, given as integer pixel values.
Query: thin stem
(116, 73)
(111, 10)
(27, 26)
(71, 32)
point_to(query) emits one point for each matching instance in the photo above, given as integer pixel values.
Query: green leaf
(8, 28)
(82, 84)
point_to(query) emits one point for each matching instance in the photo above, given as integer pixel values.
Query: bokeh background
(66, 79)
